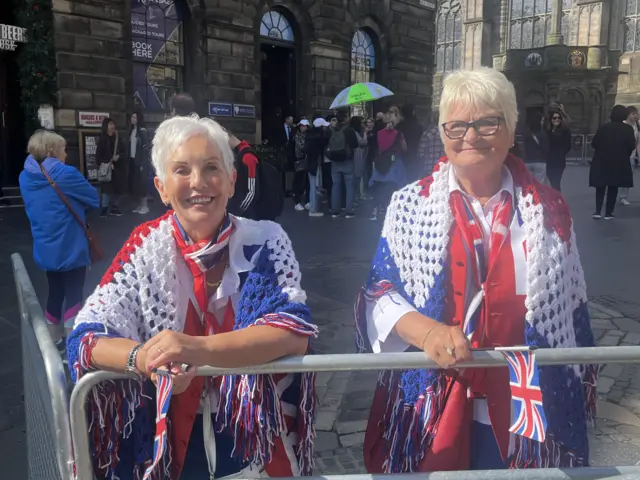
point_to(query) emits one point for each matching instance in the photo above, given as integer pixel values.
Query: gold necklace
(215, 285)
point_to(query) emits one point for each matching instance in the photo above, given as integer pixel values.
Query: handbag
(105, 169)
(96, 252)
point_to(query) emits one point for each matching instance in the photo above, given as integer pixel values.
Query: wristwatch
(131, 368)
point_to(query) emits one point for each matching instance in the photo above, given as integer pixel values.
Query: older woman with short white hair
(196, 287)
(476, 256)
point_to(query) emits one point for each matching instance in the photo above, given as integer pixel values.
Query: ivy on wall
(36, 59)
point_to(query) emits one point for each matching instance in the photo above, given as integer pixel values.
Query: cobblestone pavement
(334, 255)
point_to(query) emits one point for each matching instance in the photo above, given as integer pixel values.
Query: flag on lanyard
(527, 413)
(163, 397)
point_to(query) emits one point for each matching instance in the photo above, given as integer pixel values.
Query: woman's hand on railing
(168, 348)
(446, 345)
(181, 379)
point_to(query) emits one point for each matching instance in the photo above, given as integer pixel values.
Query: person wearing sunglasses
(479, 254)
(559, 136)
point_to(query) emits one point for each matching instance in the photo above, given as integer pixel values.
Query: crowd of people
(456, 269)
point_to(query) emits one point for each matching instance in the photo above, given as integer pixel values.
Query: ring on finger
(159, 349)
(451, 351)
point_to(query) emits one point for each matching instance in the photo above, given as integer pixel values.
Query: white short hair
(480, 88)
(175, 131)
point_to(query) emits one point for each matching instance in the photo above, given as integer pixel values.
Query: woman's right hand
(447, 346)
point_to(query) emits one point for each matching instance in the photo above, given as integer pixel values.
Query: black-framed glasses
(484, 127)
(556, 118)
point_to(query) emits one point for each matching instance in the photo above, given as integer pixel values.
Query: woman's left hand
(169, 348)
(181, 379)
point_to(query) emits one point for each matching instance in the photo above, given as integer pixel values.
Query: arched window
(363, 57)
(275, 26)
(363, 64)
(631, 26)
(565, 27)
(158, 53)
(449, 36)
(529, 23)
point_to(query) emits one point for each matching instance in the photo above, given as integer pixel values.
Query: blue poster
(156, 42)
(220, 109)
(246, 111)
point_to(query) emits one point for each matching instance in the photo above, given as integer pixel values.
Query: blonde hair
(390, 117)
(44, 144)
(483, 88)
(175, 131)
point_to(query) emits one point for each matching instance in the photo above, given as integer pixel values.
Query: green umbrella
(360, 93)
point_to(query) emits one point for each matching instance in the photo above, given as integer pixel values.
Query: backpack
(338, 150)
(384, 160)
(271, 202)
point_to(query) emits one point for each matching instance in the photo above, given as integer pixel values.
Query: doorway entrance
(277, 86)
(278, 72)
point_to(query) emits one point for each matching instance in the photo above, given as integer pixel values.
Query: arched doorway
(278, 70)
(363, 65)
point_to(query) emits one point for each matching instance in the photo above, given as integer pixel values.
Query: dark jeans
(612, 195)
(554, 174)
(382, 192)
(64, 286)
(327, 181)
(300, 187)
(485, 454)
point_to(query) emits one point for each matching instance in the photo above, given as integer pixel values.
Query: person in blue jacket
(60, 246)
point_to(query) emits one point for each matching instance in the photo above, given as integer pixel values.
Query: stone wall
(222, 55)
(93, 57)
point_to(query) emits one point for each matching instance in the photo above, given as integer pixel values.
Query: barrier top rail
(342, 362)
(33, 315)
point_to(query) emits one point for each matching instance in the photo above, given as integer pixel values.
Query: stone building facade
(584, 54)
(242, 60)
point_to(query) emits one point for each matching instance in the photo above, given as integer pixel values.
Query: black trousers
(64, 287)
(612, 196)
(554, 174)
(300, 187)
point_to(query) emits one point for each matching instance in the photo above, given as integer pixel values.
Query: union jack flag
(527, 414)
(163, 397)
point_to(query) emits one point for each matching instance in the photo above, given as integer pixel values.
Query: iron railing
(46, 401)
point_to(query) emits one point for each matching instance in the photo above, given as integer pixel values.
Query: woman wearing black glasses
(559, 145)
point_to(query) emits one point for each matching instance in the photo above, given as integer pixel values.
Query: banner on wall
(155, 39)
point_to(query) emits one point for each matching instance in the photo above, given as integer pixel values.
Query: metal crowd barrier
(393, 361)
(53, 435)
(46, 401)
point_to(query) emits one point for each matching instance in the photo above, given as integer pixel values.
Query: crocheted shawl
(139, 296)
(412, 256)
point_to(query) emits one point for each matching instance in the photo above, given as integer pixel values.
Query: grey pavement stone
(616, 333)
(633, 338)
(326, 441)
(601, 324)
(352, 439)
(609, 341)
(613, 370)
(627, 324)
(606, 310)
(605, 384)
(325, 420)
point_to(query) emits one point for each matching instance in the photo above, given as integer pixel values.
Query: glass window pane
(566, 4)
(631, 7)
(635, 40)
(441, 28)
(540, 6)
(274, 25)
(565, 27)
(629, 31)
(449, 28)
(456, 57)
(538, 32)
(527, 34)
(448, 58)
(527, 8)
(457, 27)
(516, 9)
(440, 59)
(515, 35)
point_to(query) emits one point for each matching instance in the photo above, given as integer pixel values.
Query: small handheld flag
(527, 413)
(163, 397)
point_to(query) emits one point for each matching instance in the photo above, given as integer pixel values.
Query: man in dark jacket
(182, 105)
(342, 167)
(246, 195)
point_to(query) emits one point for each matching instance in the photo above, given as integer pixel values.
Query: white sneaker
(143, 210)
(299, 208)
(137, 210)
(624, 201)
(316, 214)
(307, 206)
